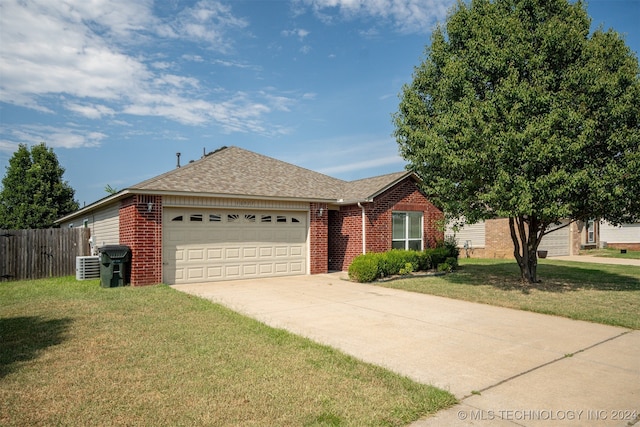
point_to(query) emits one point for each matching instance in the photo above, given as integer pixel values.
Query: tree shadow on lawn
(553, 277)
(23, 339)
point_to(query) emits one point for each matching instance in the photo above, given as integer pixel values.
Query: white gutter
(364, 230)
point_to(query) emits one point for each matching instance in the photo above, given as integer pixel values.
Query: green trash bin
(114, 265)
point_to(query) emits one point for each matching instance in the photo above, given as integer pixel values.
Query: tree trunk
(526, 233)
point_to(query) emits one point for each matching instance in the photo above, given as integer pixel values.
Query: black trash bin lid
(115, 251)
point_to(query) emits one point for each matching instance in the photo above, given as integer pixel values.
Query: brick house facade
(345, 224)
(238, 214)
(492, 239)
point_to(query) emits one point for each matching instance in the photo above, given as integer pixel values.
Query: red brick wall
(628, 246)
(345, 238)
(318, 232)
(142, 232)
(345, 225)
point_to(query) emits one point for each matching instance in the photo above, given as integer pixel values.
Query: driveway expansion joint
(551, 362)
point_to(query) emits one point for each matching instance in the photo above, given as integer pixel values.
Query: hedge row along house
(236, 214)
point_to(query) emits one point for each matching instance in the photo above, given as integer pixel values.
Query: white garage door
(204, 245)
(557, 243)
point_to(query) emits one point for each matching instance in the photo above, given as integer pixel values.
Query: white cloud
(207, 21)
(349, 156)
(64, 137)
(84, 57)
(364, 164)
(297, 32)
(194, 58)
(162, 65)
(408, 16)
(91, 111)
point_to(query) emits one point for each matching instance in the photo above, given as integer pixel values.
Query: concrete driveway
(507, 367)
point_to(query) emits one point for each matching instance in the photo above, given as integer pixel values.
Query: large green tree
(33, 193)
(519, 111)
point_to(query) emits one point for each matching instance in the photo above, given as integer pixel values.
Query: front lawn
(600, 293)
(72, 353)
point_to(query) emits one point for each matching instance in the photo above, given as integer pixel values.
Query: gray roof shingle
(233, 171)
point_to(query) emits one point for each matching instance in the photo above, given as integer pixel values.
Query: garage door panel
(266, 269)
(195, 254)
(214, 272)
(195, 273)
(281, 251)
(232, 253)
(266, 251)
(232, 244)
(249, 253)
(232, 271)
(214, 254)
(297, 267)
(281, 267)
(249, 270)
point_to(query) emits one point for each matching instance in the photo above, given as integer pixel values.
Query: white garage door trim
(557, 243)
(205, 245)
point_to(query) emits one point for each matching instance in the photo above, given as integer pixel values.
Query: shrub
(408, 269)
(445, 266)
(365, 268)
(424, 260)
(369, 267)
(395, 260)
(451, 245)
(437, 256)
(453, 262)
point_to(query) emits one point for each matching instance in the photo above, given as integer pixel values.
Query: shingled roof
(233, 171)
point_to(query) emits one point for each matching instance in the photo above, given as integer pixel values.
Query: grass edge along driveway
(599, 293)
(72, 353)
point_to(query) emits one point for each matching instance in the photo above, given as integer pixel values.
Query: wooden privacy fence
(36, 254)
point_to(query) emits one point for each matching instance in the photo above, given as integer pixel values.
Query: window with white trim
(407, 230)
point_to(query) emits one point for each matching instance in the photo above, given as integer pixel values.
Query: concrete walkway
(507, 367)
(598, 260)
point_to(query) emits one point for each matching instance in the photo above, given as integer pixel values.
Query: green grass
(600, 293)
(611, 253)
(72, 353)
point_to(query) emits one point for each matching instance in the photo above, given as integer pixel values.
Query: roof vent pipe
(364, 230)
(178, 156)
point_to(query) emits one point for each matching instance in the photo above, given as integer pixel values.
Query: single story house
(492, 239)
(237, 214)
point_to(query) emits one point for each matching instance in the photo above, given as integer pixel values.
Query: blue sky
(117, 87)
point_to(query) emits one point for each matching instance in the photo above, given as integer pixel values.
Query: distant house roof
(235, 172)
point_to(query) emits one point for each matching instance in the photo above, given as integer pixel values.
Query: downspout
(364, 230)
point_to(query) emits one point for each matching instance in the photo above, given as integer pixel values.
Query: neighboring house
(601, 234)
(492, 239)
(237, 214)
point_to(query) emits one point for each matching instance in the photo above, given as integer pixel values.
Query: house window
(215, 218)
(195, 218)
(591, 231)
(407, 230)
